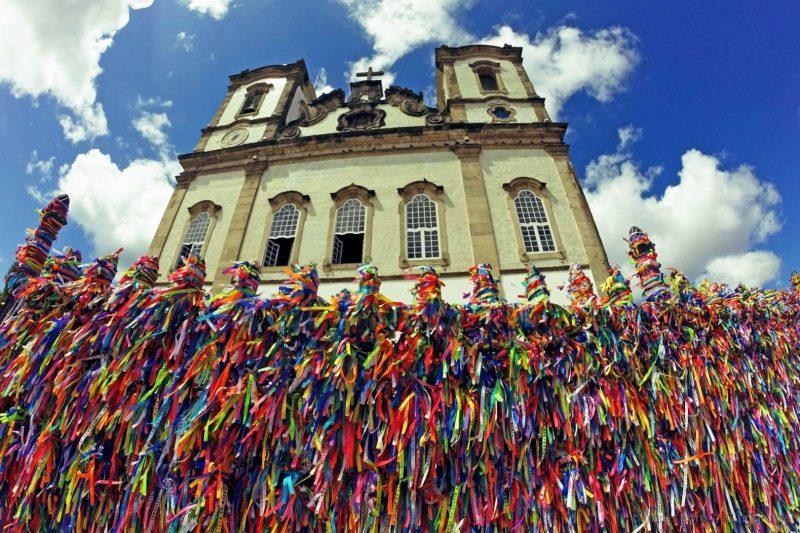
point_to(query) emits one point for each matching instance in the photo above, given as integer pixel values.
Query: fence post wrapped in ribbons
(579, 287)
(648, 269)
(536, 290)
(617, 288)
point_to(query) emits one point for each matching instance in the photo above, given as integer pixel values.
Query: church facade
(283, 176)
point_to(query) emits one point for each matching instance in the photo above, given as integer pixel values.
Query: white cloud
(561, 61)
(151, 126)
(151, 102)
(706, 224)
(565, 60)
(185, 40)
(321, 83)
(116, 206)
(396, 27)
(41, 167)
(750, 268)
(216, 9)
(53, 49)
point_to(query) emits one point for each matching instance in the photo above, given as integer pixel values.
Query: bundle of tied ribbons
(132, 408)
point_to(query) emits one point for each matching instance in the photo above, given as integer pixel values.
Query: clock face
(234, 137)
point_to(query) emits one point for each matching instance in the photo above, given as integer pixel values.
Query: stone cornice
(546, 135)
(495, 96)
(298, 69)
(446, 54)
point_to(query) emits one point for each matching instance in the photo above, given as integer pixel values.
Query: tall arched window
(533, 224)
(422, 228)
(282, 234)
(488, 80)
(348, 233)
(195, 237)
(488, 74)
(254, 98)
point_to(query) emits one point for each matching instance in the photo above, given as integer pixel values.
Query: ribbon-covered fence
(129, 407)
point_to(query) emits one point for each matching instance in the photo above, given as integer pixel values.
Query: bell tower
(257, 104)
(483, 83)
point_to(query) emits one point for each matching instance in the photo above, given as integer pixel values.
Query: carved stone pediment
(413, 104)
(365, 91)
(408, 101)
(362, 116)
(317, 110)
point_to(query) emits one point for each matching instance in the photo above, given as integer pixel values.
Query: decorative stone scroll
(317, 110)
(362, 116)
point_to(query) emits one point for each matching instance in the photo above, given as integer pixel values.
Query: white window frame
(337, 226)
(533, 217)
(539, 190)
(283, 226)
(427, 234)
(354, 224)
(197, 243)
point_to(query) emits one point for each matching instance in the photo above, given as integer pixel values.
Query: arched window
(488, 80)
(282, 234)
(348, 233)
(422, 228)
(254, 98)
(533, 224)
(195, 237)
(488, 74)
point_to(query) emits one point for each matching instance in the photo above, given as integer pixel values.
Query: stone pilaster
(484, 245)
(239, 219)
(169, 216)
(590, 236)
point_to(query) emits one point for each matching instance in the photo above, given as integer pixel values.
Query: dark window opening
(348, 248)
(279, 251)
(252, 101)
(488, 81)
(501, 112)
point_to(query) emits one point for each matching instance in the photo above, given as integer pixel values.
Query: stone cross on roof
(369, 73)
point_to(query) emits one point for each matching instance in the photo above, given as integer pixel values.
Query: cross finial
(369, 73)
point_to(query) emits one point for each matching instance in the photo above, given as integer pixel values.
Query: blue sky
(684, 116)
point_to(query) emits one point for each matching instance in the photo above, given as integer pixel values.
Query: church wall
(295, 107)
(219, 188)
(502, 166)
(395, 118)
(267, 106)
(255, 133)
(325, 126)
(381, 173)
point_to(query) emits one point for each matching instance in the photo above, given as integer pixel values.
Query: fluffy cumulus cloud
(119, 205)
(152, 123)
(706, 225)
(396, 27)
(562, 61)
(321, 83)
(216, 9)
(116, 206)
(53, 49)
(565, 60)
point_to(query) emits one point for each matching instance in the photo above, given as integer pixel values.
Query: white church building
(283, 176)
